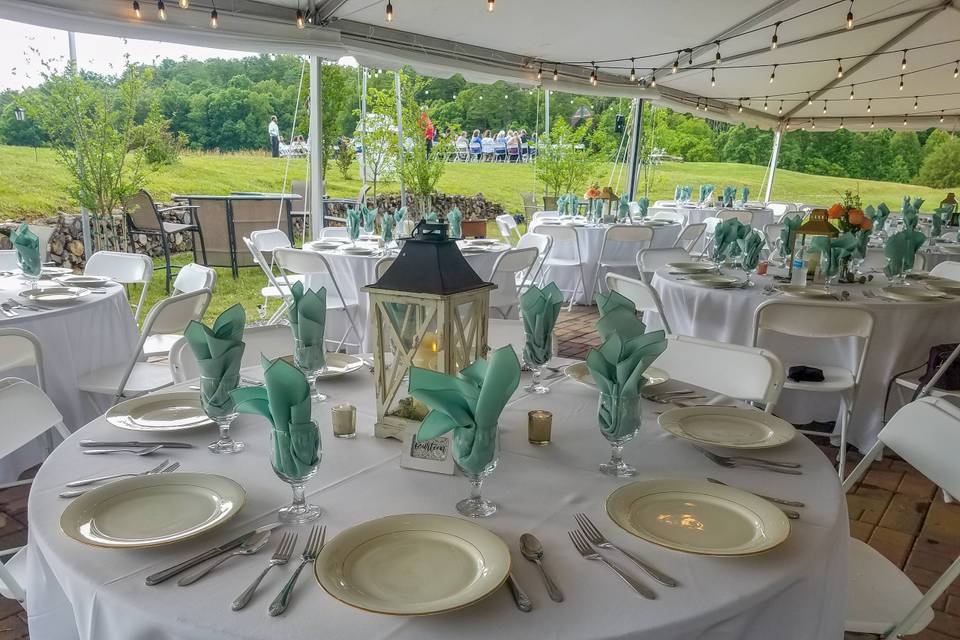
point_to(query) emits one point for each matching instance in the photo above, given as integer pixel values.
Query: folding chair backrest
(710, 365)
(268, 240)
(926, 434)
(746, 217)
(809, 319)
(381, 267)
(515, 261)
(778, 208)
(669, 216)
(949, 270)
(27, 413)
(711, 223)
(559, 233)
(193, 277)
(271, 340)
(771, 232)
(127, 268)
(8, 260)
(634, 208)
(504, 227)
(689, 236)
(43, 233)
(628, 233)
(643, 296)
(333, 232)
(20, 348)
(173, 314)
(649, 260)
(142, 211)
(183, 364)
(301, 262)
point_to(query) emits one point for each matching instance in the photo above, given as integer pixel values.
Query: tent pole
(636, 130)
(317, 203)
(84, 212)
(363, 126)
(771, 172)
(546, 113)
(400, 147)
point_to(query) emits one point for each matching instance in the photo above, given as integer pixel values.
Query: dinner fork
(85, 481)
(80, 492)
(726, 462)
(594, 535)
(310, 552)
(588, 552)
(280, 557)
(772, 463)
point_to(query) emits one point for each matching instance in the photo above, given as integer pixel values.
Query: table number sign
(434, 455)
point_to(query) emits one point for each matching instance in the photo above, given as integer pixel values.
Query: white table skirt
(795, 591)
(590, 239)
(902, 335)
(95, 332)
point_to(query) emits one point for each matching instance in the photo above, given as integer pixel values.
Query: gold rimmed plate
(579, 372)
(175, 411)
(712, 281)
(338, 364)
(699, 517)
(729, 427)
(80, 280)
(413, 565)
(691, 267)
(55, 295)
(150, 511)
(911, 294)
(809, 291)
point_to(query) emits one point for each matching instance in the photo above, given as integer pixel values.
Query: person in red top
(428, 131)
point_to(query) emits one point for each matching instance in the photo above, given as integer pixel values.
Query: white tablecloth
(902, 335)
(795, 591)
(355, 271)
(95, 332)
(590, 239)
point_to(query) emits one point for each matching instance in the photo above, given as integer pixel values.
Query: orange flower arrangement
(836, 211)
(855, 216)
(593, 192)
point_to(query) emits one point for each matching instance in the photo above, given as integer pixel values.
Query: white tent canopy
(520, 37)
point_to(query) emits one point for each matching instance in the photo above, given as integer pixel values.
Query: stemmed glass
(312, 360)
(621, 415)
(219, 407)
(477, 506)
(298, 511)
(533, 361)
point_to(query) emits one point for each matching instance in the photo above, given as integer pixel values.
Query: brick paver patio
(894, 509)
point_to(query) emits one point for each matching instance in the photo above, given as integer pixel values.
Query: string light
(813, 123)
(184, 4)
(850, 16)
(904, 119)
(901, 82)
(713, 77)
(718, 53)
(690, 57)
(916, 102)
(676, 64)
(809, 99)
(871, 123)
(301, 23)
(956, 69)
(593, 75)
(773, 40)
(869, 102)
(136, 8)
(539, 72)
(903, 62)
(780, 110)
(839, 68)
(389, 11)
(841, 123)
(851, 92)
(490, 5)
(740, 105)
(633, 71)
(161, 10)
(941, 115)
(214, 18)
(556, 74)
(653, 77)
(824, 106)
(764, 104)
(773, 74)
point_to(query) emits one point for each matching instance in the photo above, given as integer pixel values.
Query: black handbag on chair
(950, 380)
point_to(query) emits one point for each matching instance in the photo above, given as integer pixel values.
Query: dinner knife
(166, 574)
(136, 443)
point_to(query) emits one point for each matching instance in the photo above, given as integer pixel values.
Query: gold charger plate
(729, 427)
(579, 372)
(55, 295)
(150, 511)
(338, 364)
(413, 565)
(176, 411)
(712, 281)
(79, 280)
(699, 517)
(809, 291)
(691, 267)
(911, 294)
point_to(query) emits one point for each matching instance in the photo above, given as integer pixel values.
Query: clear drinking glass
(218, 405)
(477, 506)
(619, 421)
(312, 360)
(298, 511)
(536, 364)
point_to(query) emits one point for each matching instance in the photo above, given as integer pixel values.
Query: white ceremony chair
(708, 235)
(771, 234)
(881, 599)
(876, 260)
(649, 260)
(303, 263)
(271, 340)
(707, 364)
(34, 415)
(618, 251)
(381, 267)
(191, 277)
(43, 233)
(948, 269)
(510, 273)
(670, 216)
(125, 268)
(261, 245)
(822, 321)
(18, 349)
(333, 232)
(746, 217)
(508, 228)
(543, 245)
(8, 260)
(565, 242)
(688, 237)
(640, 293)
(137, 377)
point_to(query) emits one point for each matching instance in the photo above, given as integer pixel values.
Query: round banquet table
(590, 239)
(902, 335)
(96, 331)
(935, 255)
(794, 591)
(354, 271)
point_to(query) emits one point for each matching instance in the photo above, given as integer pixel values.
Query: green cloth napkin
(901, 249)
(617, 368)
(936, 223)
(644, 205)
(623, 208)
(369, 219)
(399, 215)
(573, 204)
(788, 235)
(454, 219)
(746, 194)
(353, 223)
(910, 219)
(387, 223)
(27, 245)
(218, 352)
(833, 250)
(284, 400)
(725, 236)
(750, 249)
(431, 216)
(687, 192)
(703, 193)
(879, 218)
(677, 193)
(618, 316)
(598, 209)
(562, 204)
(469, 404)
(863, 239)
(729, 193)
(539, 309)
(308, 318)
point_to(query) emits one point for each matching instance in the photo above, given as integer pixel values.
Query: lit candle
(426, 355)
(539, 425)
(344, 419)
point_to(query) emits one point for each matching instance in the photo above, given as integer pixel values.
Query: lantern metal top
(430, 263)
(818, 225)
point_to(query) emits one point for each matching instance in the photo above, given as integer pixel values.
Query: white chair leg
(842, 454)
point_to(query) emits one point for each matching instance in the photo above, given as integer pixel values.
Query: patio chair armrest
(176, 207)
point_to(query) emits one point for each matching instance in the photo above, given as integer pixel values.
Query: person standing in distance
(274, 131)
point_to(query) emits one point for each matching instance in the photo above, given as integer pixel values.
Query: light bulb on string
(676, 64)
(633, 71)
(490, 5)
(690, 56)
(556, 74)
(813, 123)
(713, 77)
(773, 40)
(539, 72)
(839, 68)
(869, 102)
(824, 106)
(780, 109)
(301, 23)
(871, 123)
(161, 10)
(903, 62)
(956, 69)
(184, 4)
(901, 83)
(773, 74)
(941, 116)
(841, 123)
(916, 102)
(593, 75)
(653, 77)
(740, 106)
(764, 104)
(389, 11)
(214, 19)
(904, 120)
(136, 8)
(809, 99)
(851, 92)
(850, 16)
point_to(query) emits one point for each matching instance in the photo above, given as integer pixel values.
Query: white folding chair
(508, 228)
(300, 262)
(708, 235)
(876, 260)
(28, 414)
(191, 277)
(565, 240)
(125, 268)
(670, 216)
(136, 377)
(643, 296)
(707, 364)
(381, 267)
(43, 233)
(948, 269)
(771, 233)
(19, 348)
(688, 237)
(543, 245)
(271, 340)
(618, 251)
(746, 217)
(649, 260)
(822, 321)
(8, 260)
(781, 209)
(510, 273)
(260, 244)
(634, 208)
(333, 232)
(881, 599)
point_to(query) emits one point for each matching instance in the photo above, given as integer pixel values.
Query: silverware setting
(248, 548)
(790, 513)
(593, 535)
(873, 295)
(310, 552)
(279, 558)
(772, 463)
(86, 481)
(135, 443)
(137, 452)
(520, 597)
(787, 503)
(731, 463)
(588, 552)
(7, 309)
(532, 550)
(79, 492)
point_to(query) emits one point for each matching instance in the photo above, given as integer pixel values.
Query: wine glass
(312, 360)
(477, 506)
(30, 271)
(536, 360)
(619, 420)
(298, 511)
(219, 407)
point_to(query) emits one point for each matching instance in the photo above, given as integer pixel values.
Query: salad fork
(85, 481)
(732, 464)
(588, 552)
(594, 535)
(280, 557)
(310, 552)
(771, 463)
(79, 492)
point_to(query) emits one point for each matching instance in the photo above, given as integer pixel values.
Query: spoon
(247, 548)
(532, 550)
